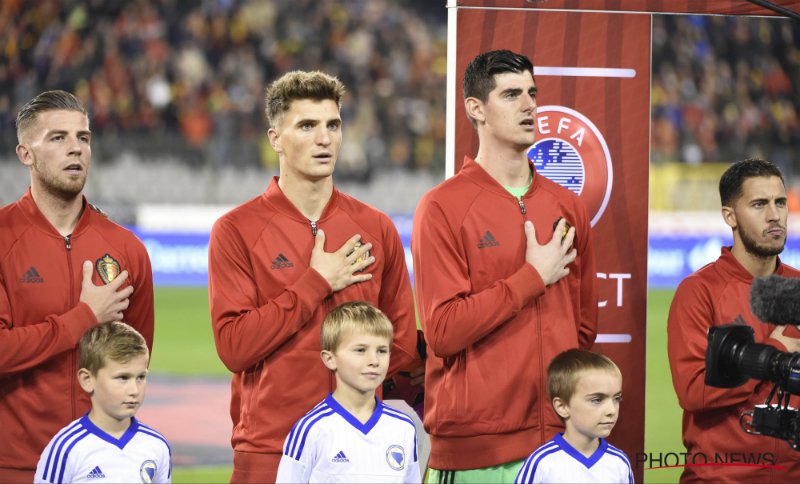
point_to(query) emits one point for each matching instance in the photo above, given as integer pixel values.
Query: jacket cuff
(78, 320)
(525, 284)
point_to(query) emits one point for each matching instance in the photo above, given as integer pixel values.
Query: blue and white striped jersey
(557, 461)
(81, 452)
(330, 445)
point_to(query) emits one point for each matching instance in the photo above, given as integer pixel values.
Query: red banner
(593, 74)
(718, 7)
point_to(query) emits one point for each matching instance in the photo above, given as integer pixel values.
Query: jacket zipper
(313, 227)
(542, 389)
(68, 245)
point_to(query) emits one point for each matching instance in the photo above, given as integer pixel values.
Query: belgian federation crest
(147, 471)
(572, 152)
(107, 268)
(396, 457)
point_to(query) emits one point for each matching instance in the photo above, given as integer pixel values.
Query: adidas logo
(96, 474)
(31, 277)
(340, 457)
(281, 262)
(488, 240)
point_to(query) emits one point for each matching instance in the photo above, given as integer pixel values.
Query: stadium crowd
(165, 77)
(725, 88)
(156, 71)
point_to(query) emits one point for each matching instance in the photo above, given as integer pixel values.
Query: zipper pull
(68, 241)
(522, 206)
(313, 227)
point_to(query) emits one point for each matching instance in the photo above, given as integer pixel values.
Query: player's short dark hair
(354, 316)
(565, 369)
(479, 78)
(46, 101)
(730, 184)
(298, 85)
(115, 341)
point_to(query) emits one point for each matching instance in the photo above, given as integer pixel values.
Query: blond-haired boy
(108, 444)
(585, 389)
(352, 436)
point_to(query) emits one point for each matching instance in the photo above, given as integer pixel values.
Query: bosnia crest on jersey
(572, 152)
(147, 471)
(396, 457)
(107, 268)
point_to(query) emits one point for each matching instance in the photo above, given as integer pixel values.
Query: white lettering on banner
(177, 259)
(544, 125)
(543, 121)
(619, 277)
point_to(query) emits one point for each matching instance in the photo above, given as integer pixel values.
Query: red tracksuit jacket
(41, 319)
(717, 294)
(267, 306)
(490, 324)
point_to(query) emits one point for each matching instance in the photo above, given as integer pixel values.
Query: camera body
(733, 357)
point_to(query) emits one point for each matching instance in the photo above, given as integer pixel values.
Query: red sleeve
(587, 326)
(140, 311)
(453, 317)
(690, 316)
(244, 332)
(26, 347)
(397, 302)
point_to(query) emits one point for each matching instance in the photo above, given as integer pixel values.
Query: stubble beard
(66, 190)
(759, 250)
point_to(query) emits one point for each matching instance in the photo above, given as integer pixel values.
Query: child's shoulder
(149, 432)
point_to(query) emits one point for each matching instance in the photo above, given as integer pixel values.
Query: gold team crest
(107, 268)
(363, 257)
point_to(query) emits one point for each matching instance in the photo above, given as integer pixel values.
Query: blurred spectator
(161, 73)
(726, 88)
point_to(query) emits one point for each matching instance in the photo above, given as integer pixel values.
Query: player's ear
(561, 407)
(275, 140)
(729, 216)
(474, 108)
(24, 154)
(328, 360)
(86, 380)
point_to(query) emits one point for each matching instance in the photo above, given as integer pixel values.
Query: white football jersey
(330, 445)
(81, 452)
(557, 461)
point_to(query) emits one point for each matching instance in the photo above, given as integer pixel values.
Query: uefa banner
(593, 74)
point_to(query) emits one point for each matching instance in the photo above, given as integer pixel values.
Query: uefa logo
(572, 152)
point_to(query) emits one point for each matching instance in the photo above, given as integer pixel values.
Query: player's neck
(756, 265)
(509, 167)
(580, 442)
(62, 214)
(308, 196)
(359, 405)
(113, 427)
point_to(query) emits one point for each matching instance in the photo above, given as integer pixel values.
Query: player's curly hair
(297, 85)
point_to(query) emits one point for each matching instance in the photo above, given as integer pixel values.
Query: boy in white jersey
(108, 444)
(351, 436)
(585, 389)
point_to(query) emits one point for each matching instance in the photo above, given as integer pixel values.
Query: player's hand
(792, 344)
(417, 376)
(551, 259)
(108, 301)
(341, 268)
